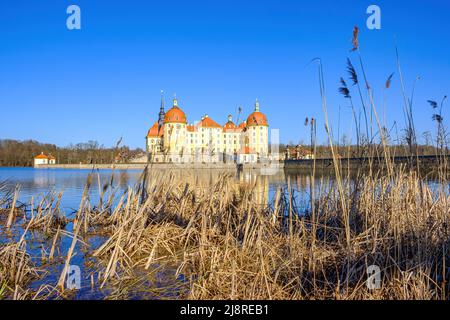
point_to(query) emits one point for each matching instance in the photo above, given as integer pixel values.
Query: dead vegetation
(175, 239)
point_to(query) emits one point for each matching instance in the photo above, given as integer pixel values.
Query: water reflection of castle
(263, 186)
(206, 179)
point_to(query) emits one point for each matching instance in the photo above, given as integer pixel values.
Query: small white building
(51, 159)
(42, 159)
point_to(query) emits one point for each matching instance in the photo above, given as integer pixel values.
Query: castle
(172, 139)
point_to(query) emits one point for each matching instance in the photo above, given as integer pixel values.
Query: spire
(256, 105)
(230, 118)
(161, 110)
(175, 101)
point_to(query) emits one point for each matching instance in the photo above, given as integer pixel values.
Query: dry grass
(181, 240)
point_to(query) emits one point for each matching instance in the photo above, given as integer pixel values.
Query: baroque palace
(173, 139)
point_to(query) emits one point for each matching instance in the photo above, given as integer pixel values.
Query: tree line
(15, 153)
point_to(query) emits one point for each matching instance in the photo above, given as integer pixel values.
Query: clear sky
(104, 81)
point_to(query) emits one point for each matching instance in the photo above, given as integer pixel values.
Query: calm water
(36, 183)
(39, 182)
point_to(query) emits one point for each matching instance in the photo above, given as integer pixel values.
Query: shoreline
(300, 164)
(140, 166)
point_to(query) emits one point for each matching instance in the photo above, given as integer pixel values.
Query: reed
(220, 243)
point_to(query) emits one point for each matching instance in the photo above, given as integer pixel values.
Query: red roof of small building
(41, 156)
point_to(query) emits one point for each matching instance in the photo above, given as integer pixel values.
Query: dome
(175, 114)
(257, 118)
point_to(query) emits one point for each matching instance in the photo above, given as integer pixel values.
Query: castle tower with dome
(171, 139)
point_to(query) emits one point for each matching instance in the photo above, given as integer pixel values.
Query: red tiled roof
(207, 122)
(175, 114)
(229, 125)
(41, 156)
(242, 125)
(257, 119)
(155, 131)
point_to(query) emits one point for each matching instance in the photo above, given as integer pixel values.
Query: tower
(258, 131)
(174, 132)
(161, 111)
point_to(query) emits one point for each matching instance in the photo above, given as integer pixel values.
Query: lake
(36, 183)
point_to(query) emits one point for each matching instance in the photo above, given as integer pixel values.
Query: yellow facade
(172, 139)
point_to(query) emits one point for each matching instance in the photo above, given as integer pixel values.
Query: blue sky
(104, 81)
